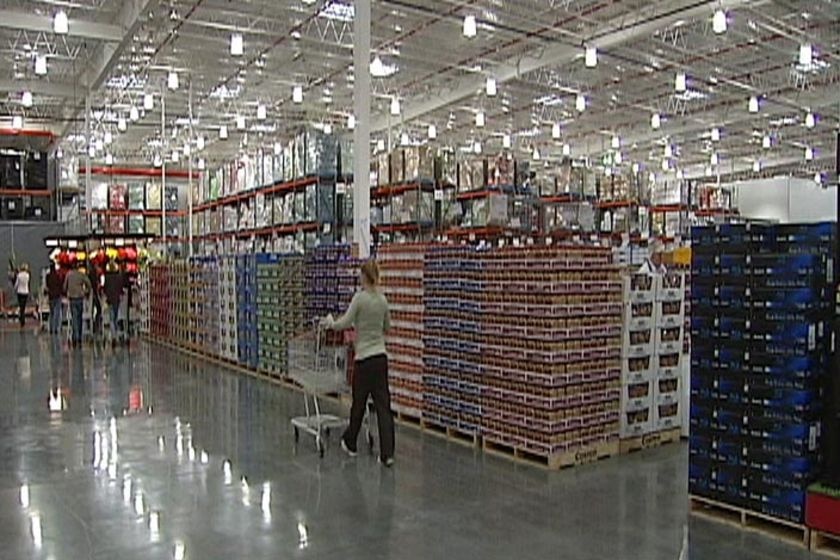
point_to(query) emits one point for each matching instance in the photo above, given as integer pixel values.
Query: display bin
(636, 423)
(667, 416)
(639, 316)
(639, 287)
(669, 340)
(669, 313)
(637, 342)
(666, 390)
(670, 286)
(637, 395)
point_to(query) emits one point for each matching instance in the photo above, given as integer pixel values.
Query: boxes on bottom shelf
(666, 390)
(636, 423)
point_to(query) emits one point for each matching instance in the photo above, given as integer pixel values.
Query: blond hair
(370, 272)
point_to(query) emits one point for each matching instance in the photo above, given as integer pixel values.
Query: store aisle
(130, 463)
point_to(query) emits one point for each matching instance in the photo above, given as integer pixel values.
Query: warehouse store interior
(588, 249)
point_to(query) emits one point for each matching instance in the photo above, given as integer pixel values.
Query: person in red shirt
(55, 291)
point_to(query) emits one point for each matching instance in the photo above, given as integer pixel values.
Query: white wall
(785, 200)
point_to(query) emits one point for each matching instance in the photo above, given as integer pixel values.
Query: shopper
(115, 283)
(96, 300)
(370, 316)
(55, 291)
(22, 290)
(77, 287)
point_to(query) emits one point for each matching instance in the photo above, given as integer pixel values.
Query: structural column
(361, 133)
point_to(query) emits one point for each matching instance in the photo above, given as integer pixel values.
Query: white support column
(84, 221)
(163, 168)
(361, 133)
(190, 188)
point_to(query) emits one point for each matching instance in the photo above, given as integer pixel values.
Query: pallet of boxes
(651, 374)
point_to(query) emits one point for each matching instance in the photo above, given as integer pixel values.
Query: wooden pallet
(824, 543)
(450, 433)
(409, 419)
(566, 459)
(648, 441)
(750, 520)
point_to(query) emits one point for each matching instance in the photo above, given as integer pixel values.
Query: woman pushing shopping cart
(370, 316)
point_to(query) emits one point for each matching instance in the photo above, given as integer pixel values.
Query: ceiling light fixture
(591, 57)
(555, 131)
(567, 150)
(237, 46)
(328, 128)
(91, 151)
(669, 151)
(59, 153)
(753, 106)
(158, 161)
(148, 102)
(714, 160)
(652, 177)
(240, 122)
(404, 140)
(470, 27)
(26, 99)
(61, 25)
(680, 175)
(635, 167)
(297, 94)
(536, 154)
(806, 54)
(655, 121)
(395, 106)
(680, 82)
(380, 145)
(109, 159)
(490, 87)
(201, 164)
(708, 171)
(134, 114)
(766, 142)
(262, 112)
(477, 147)
(432, 132)
(810, 120)
(41, 65)
(719, 22)
(756, 166)
(818, 178)
(479, 119)
(809, 153)
(618, 159)
(200, 142)
(172, 81)
(666, 165)
(223, 132)
(615, 142)
(121, 125)
(506, 141)
(351, 122)
(580, 103)
(108, 138)
(187, 149)
(278, 149)
(176, 157)
(715, 134)
(17, 122)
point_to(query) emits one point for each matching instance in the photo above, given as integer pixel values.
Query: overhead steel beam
(107, 54)
(39, 87)
(617, 32)
(23, 21)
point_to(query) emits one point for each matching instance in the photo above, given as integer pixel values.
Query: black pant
(22, 300)
(371, 378)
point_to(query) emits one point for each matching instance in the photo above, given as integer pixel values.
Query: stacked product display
(761, 336)
(280, 308)
(522, 347)
(246, 310)
(331, 281)
(205, 302)
(183, 323)
(228, 317)
(402, 284)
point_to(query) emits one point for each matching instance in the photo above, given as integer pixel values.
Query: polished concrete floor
(149, 454)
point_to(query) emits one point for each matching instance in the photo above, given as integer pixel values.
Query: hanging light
(536, 154)
(479, 119)
(753, 106)
(237, 46)
(148, 102)
(395, 106)
(555, 131)
(567, 150)
(477, 147)
(806, 54)
(635, 168)
(328, 128)
(223, 132)
(715, 134)
(490, 87)
(201, 164)
(41, 65)
(809, 153)
(278, 149)
(591, 57)
(652, 177)
(818, 178)
(107, 138)
(719, 22)
(109, 159)
(351, 122)
(404, 140)
(187, 149)
(655, 121)
(580, 103)
(100, 145)
(17, 122)
(615, 142)
(61, 25)
(380, 145)
(240, 122)
(432, 132)
(506, 142)
(810, 120)
(669, 151)
(26, 99)
(756, 166)
(680, 175)
(176, 157)
(680, 82)
(666, 165)
(262, 112)
(297, 94)
(714, 160)
(92, 151)
(766, 142)
(121, 125)
(470, 27)
(172, 81)
(158, 161)
(708, 171)
(59, 153)
(618, 158)
(134, 114)
(200, 142)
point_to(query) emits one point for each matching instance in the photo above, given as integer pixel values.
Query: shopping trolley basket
(320, 368)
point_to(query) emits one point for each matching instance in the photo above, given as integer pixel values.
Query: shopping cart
(320, 367)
